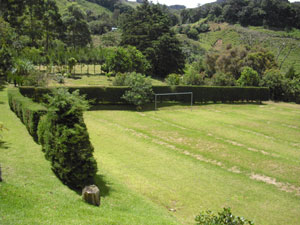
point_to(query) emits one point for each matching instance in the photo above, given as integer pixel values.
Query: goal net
(171, 94)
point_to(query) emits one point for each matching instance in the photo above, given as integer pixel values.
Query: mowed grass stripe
(178, 181)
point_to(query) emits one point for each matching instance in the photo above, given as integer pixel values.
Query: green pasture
(243, 156)
(163, 167)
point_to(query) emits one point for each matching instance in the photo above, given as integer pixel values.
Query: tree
(140, 89)
(77, 30)
(249, 77)
(52, 23)
(65, 140)
(148, 29)
(127, 59)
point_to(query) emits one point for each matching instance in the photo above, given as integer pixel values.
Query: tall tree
(148, 29)
(77, 30)
(52, 23)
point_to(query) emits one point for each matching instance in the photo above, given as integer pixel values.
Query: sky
(187, 3)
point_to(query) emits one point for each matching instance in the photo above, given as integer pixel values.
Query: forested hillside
(232, 42)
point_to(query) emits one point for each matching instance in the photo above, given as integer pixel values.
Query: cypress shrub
(65, 140)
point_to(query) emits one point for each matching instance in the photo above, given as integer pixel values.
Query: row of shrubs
(201, 94)
(61, 131)
(28, 111)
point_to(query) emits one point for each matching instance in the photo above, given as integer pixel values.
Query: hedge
(28, 111)
(112, 95)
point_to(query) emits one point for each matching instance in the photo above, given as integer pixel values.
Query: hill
(86, 6)
(285, 45)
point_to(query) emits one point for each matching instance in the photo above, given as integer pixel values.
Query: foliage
(249, 77)
(271, 13)
(222, 79)
(127, 59)
(173, 79)
(148, 29)
(71, 64)
(77, 33)
(36, 78)
(113, 95)
(65, 139)
(275, 81)
(223, 218)
(120, 79)
(192, 76)
(6, 61)
(140, 89)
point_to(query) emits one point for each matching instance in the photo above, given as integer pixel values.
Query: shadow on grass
(99, 181)
(3, 145)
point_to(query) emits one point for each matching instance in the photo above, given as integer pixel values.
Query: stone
(91, 194)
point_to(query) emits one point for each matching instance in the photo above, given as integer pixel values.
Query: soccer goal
(169, 94)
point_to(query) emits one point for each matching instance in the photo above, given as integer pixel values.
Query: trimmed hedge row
(112, 95)
(28, 111)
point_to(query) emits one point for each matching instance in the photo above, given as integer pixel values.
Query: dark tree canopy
(148, 29)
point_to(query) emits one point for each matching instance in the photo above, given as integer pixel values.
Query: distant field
(243, 156)
(90, 75)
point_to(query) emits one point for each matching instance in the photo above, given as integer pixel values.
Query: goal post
(166, 94)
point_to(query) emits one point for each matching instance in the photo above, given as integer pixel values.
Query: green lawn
(163, 167)
(31, 194)
(244, 156)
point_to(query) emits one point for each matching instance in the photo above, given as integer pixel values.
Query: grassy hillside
(278, 42)
(95, 8)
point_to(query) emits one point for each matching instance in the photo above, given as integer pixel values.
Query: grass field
(163, 167)
(243, 156)
(31, 194)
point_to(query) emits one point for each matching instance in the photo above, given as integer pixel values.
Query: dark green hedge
(28, 111)
(96, 94)
(112, 95)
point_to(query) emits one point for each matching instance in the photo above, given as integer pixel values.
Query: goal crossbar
(179, 93)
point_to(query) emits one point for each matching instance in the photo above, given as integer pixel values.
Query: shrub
(140, 89)
(173, 79)
(71, 64)
(222, 79)
(192, 76)
(274, 80)
(223, 218)
(127, 59)
(65, 139)
(119, 79)
(249, 77)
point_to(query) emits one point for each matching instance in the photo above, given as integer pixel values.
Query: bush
(119, 79)
(249, 77)
(140, 89)
(127, 59)
(173, 79)
(274, 80)
(223, 218)
(65, 139)
(222, 79)
(192, 76)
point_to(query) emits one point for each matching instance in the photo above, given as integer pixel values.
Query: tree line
(269, 13)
